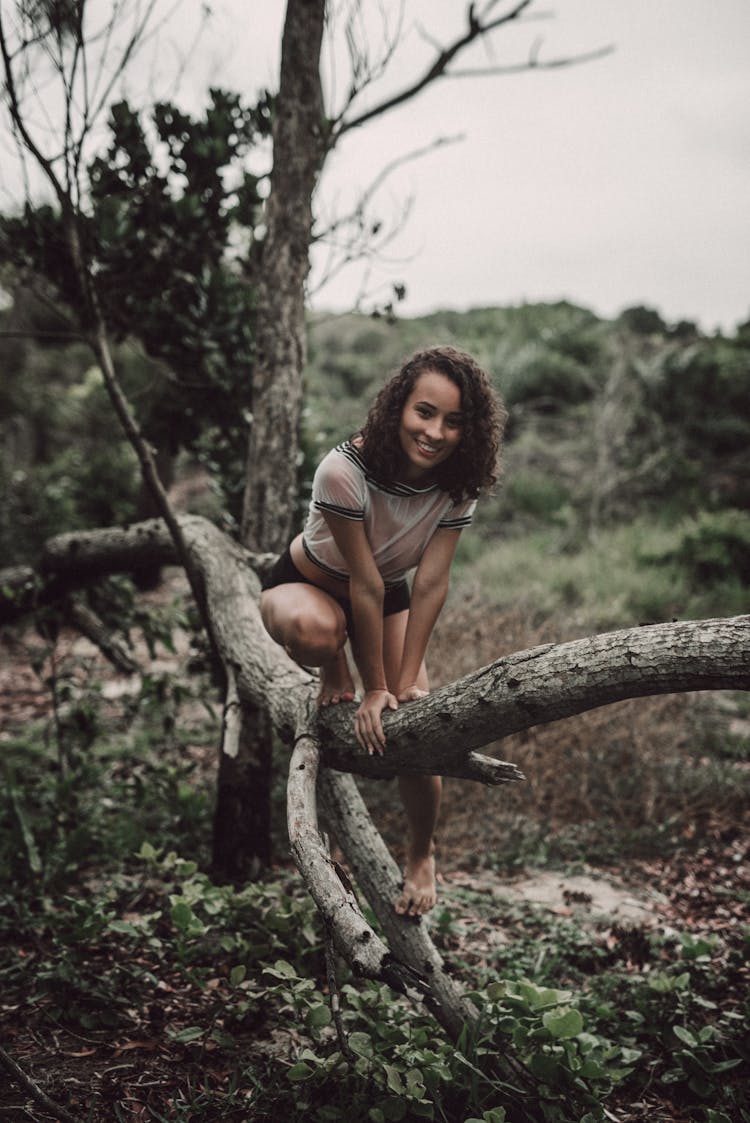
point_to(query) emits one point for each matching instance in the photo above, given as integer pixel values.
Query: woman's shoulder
(344, 459)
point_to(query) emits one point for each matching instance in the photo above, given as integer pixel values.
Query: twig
(335, 995)
(33, 1089)
(333, 984)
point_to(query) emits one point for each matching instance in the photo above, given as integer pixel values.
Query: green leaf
(534, 997)
(318, 1016)
(395, 1083)
(684, 1035)
(563, 1023)
(300, 1071)
(124, 927)
(545, 1067)
(182, 916)
(360, 1044)
(237, 974)
(281, 970)
(190, 1033)
(375, 1115)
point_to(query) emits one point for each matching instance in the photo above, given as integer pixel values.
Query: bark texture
(269, 501)
(299, 144)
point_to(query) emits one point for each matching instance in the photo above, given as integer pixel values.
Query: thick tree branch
(438, 733)
(329, 886)
(547, 683)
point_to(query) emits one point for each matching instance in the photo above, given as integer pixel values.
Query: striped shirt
(399, 519)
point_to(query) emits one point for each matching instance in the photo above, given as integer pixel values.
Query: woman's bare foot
(336, 684)
(419, 893)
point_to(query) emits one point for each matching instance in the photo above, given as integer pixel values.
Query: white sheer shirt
(399, 519)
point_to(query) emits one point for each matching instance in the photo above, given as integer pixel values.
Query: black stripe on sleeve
(345, 512)
(455, 524)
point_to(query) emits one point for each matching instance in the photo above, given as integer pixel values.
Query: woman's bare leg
(311, 628)
(420, 795)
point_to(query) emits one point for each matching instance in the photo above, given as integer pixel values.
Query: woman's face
(431, 424)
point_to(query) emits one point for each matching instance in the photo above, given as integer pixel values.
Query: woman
(392, 499)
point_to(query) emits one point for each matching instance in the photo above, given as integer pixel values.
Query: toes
(403, 904)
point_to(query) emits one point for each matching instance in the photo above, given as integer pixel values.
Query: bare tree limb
(335, 898)
(476, 28)
(532, 63)
(40, 1097)
(88, 624)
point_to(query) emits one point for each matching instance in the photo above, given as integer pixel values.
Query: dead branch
(40, 1097)
(89, 624)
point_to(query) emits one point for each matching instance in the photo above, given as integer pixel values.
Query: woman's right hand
(368, 725)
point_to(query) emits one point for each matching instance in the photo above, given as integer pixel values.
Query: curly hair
(474, 464)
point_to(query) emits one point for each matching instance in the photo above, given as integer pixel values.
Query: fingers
(369, 730)
(368, 725)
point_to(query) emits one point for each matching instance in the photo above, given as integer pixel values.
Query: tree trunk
(244, 803)
(242, 817)
(299, 144)
(149, 576)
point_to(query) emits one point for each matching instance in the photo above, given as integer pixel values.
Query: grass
(620, 578)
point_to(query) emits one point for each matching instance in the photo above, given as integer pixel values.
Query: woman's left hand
(411, 693)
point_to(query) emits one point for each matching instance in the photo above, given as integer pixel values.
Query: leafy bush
(547, 380)
(540, 495)
(715, 547)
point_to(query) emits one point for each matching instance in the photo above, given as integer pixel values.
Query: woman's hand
(411, 693)
(368, 725)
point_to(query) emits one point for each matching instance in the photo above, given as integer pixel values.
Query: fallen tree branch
(33, 1089)
(545, 684)
(88, 624)
(439, 733)
(334, 896)
(435, 735)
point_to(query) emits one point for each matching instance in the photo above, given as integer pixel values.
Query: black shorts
(285, 572)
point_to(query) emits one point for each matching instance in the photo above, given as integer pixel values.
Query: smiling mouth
(428, 450)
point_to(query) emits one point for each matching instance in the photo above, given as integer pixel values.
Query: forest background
(624, 502)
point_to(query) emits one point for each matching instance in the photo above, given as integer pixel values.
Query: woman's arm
(428, 594)
(366, 593)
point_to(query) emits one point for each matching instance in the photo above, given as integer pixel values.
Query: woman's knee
(311, 627)
(315, 637)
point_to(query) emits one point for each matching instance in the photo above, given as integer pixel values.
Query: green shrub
(547, 379)
(715, 546)
(540, 495)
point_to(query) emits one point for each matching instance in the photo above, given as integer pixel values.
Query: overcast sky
(620, 181)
